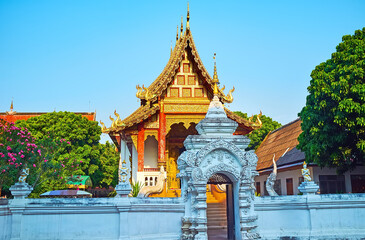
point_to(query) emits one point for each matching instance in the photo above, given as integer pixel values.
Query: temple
(13, 116)
(153, 135)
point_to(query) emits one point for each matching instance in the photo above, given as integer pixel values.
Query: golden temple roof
(150, 95)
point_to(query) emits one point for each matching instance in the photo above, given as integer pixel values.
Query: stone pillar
(162, 139)
(124, 187)
(20, 191)
(201, 208)
(140, 147)
(134, 163)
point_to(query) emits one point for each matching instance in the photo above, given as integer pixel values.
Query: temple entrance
(220, 208)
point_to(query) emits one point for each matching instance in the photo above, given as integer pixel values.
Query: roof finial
(171, 48)
(11, 105)
(187, 19)
(182, 27)
(215, 77)
(177, 33)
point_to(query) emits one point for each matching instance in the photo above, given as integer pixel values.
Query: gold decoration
(134, 140)
(228, 98)
(153, 133)
(186, 121)
(103, 128)
(186, 108)
(144, 93)
(258, 122)
(187, 19)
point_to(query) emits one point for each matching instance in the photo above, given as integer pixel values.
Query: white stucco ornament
(217, 151)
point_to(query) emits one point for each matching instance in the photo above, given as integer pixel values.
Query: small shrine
(171, 107)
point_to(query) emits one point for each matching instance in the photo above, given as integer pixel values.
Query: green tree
(20, 150)
(82, 134)
(108, 166)
(333, 120)
(85, 155)
(258, 135)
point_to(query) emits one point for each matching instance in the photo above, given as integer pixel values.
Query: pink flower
(22, 156)
(45, 160)
(34, 165)
(68, 143)
(39, 151)
(80, 161)
(8, 148)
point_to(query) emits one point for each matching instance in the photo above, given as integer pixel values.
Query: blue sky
(89, 55)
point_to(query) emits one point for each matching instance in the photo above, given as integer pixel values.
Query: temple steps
(216, 216)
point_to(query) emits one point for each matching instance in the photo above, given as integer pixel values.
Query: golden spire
(177, 33)
(215, 77)
(182, 27)
(11, 105)
(187, 19)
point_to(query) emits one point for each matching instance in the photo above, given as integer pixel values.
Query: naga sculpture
(144, 93)
(271, 179)
(228, 98)
(258, 122)
(147, 190)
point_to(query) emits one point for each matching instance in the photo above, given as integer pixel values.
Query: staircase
(217, 220)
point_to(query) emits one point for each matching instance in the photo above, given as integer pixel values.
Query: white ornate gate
(217, 150)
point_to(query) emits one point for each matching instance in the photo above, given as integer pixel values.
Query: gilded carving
(185, 121)
(186, 108)
(148, 132)
(134, 140)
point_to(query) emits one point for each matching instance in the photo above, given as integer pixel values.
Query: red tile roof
(13, 117)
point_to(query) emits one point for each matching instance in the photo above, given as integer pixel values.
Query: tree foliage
(20, 150)
(86, 155)
(258, 135)
(333, 120)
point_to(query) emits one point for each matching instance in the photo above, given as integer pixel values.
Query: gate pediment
(225, 146)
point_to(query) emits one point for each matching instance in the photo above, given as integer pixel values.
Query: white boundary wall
(333, 216)
(327, 216)
(91, 218)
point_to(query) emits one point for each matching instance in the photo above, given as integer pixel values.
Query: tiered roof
(163, 81)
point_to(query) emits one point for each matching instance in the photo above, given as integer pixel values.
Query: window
(358, 183)
(289, 186)
(258, 188)
(332, 184)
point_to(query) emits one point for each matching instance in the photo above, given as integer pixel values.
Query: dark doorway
(220, 208)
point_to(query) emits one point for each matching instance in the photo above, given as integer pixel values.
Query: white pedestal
(308, 188)
(20, 190)
(123, 190)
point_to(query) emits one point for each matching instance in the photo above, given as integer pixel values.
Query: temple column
(124, 156)
(140, 147)
(162, 138)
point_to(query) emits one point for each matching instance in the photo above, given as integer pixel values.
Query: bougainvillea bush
(19, 149)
